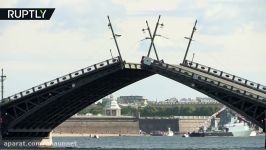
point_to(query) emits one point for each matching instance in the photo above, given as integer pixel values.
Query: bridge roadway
(248, 98)
(227, 82)
(37, 111)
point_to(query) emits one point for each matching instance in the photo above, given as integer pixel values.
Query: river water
(164, 142)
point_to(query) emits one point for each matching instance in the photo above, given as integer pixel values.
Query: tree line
(152, 111)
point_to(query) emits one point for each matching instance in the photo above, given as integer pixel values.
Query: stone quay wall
(127, 125)
(98, 125)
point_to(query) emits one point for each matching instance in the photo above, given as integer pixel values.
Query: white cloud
(77, 36)
(27, 47)
(216, 12)
(8, 4)
(139, 6)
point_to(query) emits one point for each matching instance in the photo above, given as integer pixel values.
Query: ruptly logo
(26, 13)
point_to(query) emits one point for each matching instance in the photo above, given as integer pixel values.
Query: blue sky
(231, 37)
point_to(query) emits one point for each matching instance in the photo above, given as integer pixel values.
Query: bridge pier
(26, 142)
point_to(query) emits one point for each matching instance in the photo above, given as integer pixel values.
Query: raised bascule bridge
(32, 114)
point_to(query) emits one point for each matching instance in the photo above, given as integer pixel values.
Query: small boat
(170, 132)
(162, 133)
(253, 133)
(185, 135)
(157, 133)
(196, 134)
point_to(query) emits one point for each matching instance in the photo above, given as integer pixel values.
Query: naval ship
(230, 125)
(238, 128)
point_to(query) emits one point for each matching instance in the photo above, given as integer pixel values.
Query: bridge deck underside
(50, 115)
(251, 108)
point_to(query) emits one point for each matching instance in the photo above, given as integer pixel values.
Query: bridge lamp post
(2, 83)
(193, 57)
(190, 39)
(111, 54)
(114, 36)
(152, 36)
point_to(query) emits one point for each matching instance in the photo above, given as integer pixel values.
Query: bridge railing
(201, 78)
(62, 79)
(132, 66)
(225, 76)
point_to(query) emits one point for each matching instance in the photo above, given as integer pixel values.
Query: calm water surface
(175, 142)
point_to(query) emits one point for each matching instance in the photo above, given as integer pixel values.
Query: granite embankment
(126, 125)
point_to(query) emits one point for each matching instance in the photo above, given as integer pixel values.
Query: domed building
(112, 108)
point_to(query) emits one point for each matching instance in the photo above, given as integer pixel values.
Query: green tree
(128, 111)
(93, 109)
